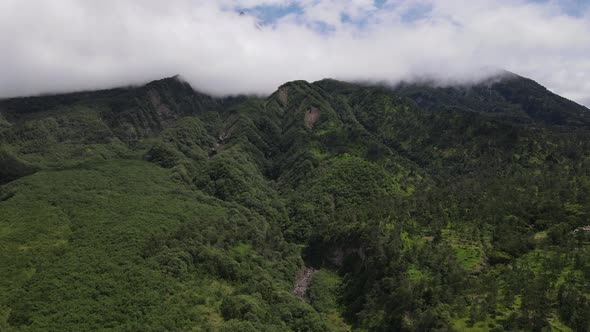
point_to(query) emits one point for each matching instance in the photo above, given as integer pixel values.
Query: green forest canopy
(419, 207)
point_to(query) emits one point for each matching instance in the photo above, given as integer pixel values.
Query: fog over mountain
(276, 165)
(231, 47)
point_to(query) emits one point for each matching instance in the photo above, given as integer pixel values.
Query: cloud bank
(67, 45)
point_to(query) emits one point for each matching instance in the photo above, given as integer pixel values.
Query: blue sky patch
(270, 14)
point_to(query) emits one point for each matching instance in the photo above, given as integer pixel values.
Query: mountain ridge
(177, 80)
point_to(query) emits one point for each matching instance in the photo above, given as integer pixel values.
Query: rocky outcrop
(311, 116)
(302, 282)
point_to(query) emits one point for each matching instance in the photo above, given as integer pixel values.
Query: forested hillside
(409, 208)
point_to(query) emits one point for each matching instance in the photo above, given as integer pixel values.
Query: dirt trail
(302, 281)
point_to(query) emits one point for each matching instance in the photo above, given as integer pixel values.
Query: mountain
(326, 206)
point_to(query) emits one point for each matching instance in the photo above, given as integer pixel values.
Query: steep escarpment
(418, 207)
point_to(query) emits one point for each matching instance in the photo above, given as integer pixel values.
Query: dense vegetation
(419, 207)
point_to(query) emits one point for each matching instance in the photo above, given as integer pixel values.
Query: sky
(252, 46)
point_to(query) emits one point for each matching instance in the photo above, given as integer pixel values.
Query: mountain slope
(420, 207)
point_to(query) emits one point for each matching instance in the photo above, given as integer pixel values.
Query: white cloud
(64, 45)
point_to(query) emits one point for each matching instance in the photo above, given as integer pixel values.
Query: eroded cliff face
(302, 282)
